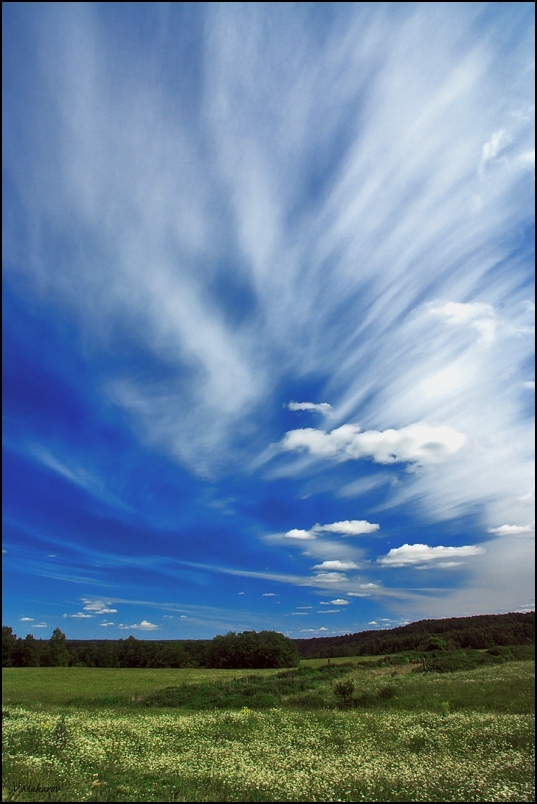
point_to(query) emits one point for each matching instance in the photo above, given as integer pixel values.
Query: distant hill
(483, 631)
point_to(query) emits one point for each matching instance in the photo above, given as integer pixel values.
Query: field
(85, 734)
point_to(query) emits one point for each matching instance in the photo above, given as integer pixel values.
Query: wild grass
(405, 736)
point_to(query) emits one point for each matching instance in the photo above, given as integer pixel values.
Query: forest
(267, 648)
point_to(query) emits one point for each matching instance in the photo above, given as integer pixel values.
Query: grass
(405, 736)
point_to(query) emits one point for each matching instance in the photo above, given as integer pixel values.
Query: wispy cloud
(98, 606)
(332, 206)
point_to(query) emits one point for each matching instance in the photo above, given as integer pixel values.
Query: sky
(268, 316)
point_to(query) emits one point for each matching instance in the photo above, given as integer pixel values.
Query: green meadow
(348, 730)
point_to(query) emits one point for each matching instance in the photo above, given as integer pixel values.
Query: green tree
(252, 650)
(9, 643)
(59, 655)
(27, 652)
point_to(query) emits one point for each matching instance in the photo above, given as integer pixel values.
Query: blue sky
(268, 316)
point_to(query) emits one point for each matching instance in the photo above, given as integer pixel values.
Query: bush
(344, 691)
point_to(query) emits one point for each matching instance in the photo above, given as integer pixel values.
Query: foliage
(252, 650)
(478, 633)
(461, 633)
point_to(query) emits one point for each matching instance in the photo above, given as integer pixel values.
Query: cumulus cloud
(320, 407)
(39, 625)
(354, 527)
(26, 619)
(339, 602)
(145, 625)
(336, 565)
(417, 443)
(105, 624)
(513, 530)
(297, 533)
(410, 554)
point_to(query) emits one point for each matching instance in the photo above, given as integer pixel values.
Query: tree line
(267, 648)
(477, 632)
(246, 650)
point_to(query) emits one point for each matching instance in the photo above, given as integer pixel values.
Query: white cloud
(330, 577)
(105, 624)
(145, 625)
(79, 615)
(328, 611)
(336, 565)
(410, 554)
(417, 443)
(26, 619)
(98, 606)
(320, 407)
(354, 527)
(478, 315)
(296, 533)
(339, 602)
(513, 530)
(268, 594)
(39, 625)
(491, 148)
(340, 289)
(372, 622)
(312, 630)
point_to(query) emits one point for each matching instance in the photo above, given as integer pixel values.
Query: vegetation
(245, 650)
(452, 633)
(351, 730)
(252, 650)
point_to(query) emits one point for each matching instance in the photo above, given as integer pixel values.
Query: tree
(252, 650)
(9, 643)
(27, 652)
(59, 655)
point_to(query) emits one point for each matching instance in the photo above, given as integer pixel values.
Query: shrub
(344, 691)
